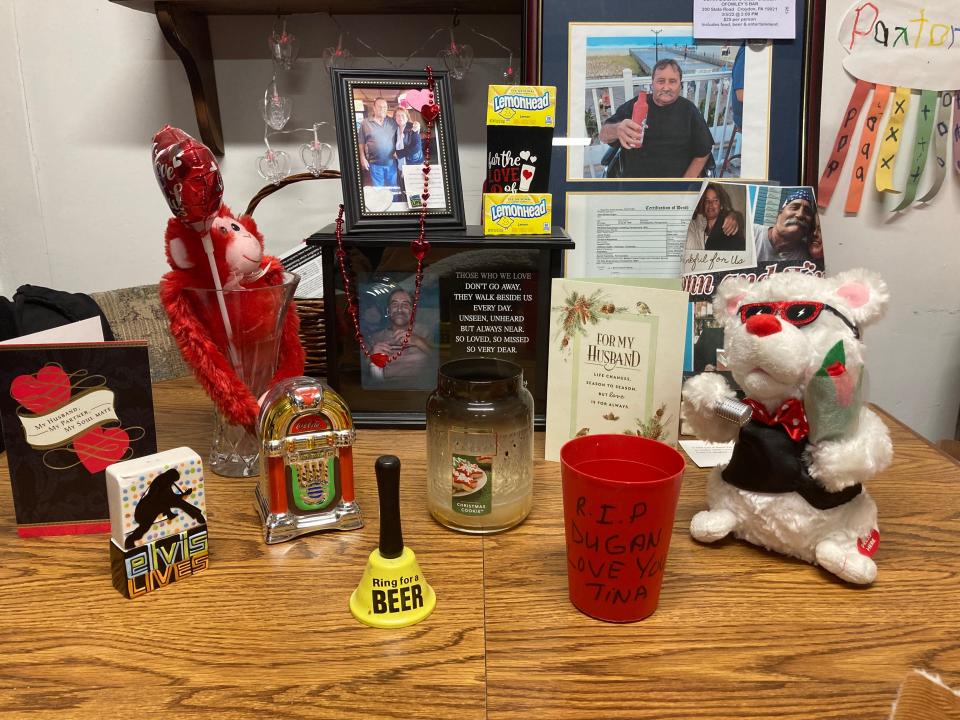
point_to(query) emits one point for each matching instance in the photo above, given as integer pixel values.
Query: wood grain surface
(739, 632)
(265, 631)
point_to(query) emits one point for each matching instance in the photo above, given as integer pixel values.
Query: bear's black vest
(766, 460)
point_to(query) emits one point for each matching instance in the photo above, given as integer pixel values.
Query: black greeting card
(69, 411)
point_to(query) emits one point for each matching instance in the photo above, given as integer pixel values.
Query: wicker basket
(312, 336)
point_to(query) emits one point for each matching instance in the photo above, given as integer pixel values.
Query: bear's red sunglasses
(795, 312)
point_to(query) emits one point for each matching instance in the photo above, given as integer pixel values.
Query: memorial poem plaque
(493, 313)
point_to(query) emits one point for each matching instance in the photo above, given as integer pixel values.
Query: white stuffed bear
(793, 484)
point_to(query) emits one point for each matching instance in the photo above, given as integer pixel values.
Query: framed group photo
(382, 137)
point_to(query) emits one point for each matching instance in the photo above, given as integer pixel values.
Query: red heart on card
(527, 174)
(430, 112)
(42, 392)
(100, 447)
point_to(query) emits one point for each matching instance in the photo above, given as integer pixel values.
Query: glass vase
(255, 317)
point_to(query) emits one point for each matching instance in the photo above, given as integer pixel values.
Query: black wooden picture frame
(373, 203)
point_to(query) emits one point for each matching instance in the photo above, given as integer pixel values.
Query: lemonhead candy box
(517, 213)
(529, 105)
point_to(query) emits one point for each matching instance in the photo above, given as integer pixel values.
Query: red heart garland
(430, 112)
(379, 359)
(40, 393)
(100, 447)
(420, 249)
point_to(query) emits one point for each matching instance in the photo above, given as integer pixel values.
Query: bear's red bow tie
(790, 414)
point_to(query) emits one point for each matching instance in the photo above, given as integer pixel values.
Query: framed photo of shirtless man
(382, 140)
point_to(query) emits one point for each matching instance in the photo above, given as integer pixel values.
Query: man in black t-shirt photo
(673, 139)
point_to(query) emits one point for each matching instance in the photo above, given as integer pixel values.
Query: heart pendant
(430, 112)
(316, 156)
(379, 359)
(273, 166)
(420, 248)
(458, 59)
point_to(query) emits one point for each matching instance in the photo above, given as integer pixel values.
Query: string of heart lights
(457, 57)
(275, 165)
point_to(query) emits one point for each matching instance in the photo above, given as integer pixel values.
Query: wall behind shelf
(84, 86)
(914, 352)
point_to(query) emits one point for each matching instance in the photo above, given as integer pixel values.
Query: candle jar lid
(479, 379)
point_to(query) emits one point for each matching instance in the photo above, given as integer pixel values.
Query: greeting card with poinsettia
(68, 411)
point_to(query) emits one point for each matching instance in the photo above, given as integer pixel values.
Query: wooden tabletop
(265, 631)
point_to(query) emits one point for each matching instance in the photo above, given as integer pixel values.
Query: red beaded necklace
(419, 247)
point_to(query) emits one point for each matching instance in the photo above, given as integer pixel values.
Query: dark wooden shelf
(336, 7)
(185, 27)
(472, 237)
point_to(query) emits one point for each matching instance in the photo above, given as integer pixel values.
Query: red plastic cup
(619, 499)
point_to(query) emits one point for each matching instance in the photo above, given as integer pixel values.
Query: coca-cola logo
(309, 424)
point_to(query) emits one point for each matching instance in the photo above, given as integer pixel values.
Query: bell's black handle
(387, 469)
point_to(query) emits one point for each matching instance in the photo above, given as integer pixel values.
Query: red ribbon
(790, 414)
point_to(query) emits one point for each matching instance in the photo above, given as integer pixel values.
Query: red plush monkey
(198, 328)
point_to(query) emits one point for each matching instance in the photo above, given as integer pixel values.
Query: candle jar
(480, 446)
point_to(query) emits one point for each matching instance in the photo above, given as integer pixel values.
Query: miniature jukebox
(306, 436)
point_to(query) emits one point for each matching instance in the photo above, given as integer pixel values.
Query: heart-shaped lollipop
(189, 176)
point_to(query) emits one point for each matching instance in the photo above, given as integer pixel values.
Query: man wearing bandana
(787, 238)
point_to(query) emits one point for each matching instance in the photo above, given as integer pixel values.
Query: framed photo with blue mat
(643, 105)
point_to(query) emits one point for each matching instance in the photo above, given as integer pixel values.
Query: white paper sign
(903, 43)
(413, 182)
(744, 19)
(307, 262)
(707, 454)
(82, 331)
